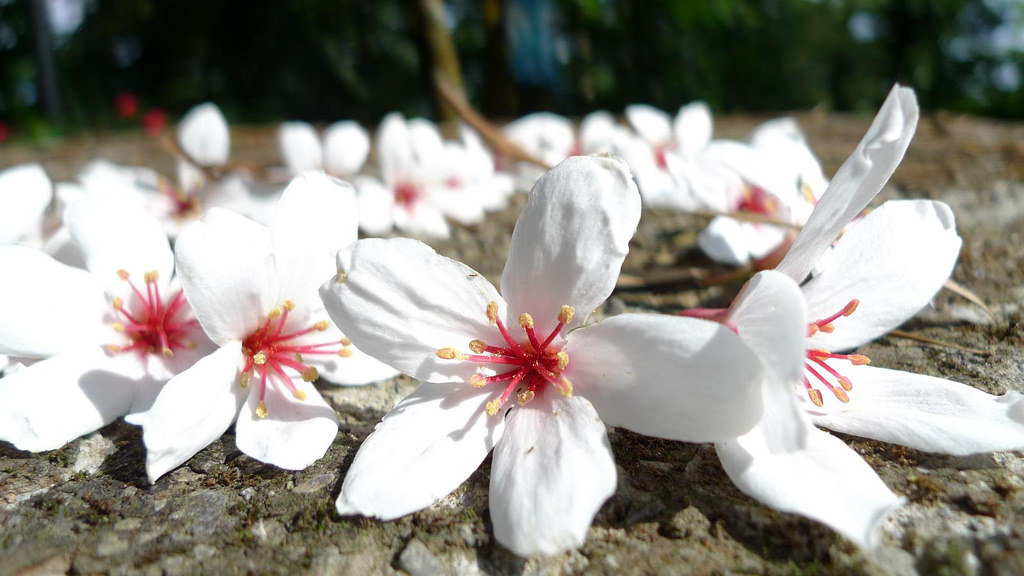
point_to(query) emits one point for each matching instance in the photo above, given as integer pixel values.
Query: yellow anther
(345, 341)
(288, 305)
(815, 397)
(812, 329)
(564, 387)
(122, 274)
(478, 346)
(274, 313)
(322, 325)
(858, 359)
(477, 380)
(492, 312)
(344, 352)
(845, 383)
(449, 353)
(113, 348)
(191, 345)
(260, 358)
(167, 352)
(150, 277)
(117, 303)
(563, 359)
(261, 410)
(493, 406)
(117, 326)
(841, 394)
(243, 379)
(565, 315)
(826, 328)
(310, 374)
(298, 358)
(851, 307)
(300, 394)
(525, 320)
(525, 396)
(341, 277)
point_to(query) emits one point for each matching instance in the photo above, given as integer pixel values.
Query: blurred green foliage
(323, 60)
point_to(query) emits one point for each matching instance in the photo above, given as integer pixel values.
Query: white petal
(52, 402)
(346, 146)
(421, 219)
(598, 132)
(295, 432)
(300, 147)
(924, 413)
(667, 376)
(227, 267)
(858, 180)
(825, 481)
(394, 149)
(192, 411)
(316, 216)
(47, 307)
(203, 135)
(25, 192)
(421, 451)
(770, 316)
(548, 136)
(692, 128)
(653, 125)
(723, 240)
(356, 369)
(375, 205)
(399, 301)
(569, 243)
(116, 237)
(427, 144)
(894, 260)
(552, 471)
(462, 205)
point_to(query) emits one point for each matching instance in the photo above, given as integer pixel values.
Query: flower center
(659, 156)
(407, 194)
(534, 363)
(757, 200)
(154, 323)
(186, 202)
(816, 365)
(275, 352)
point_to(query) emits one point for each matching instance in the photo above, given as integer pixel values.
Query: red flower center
(152, 323)
(816, 365)
(276, 349)
(758, 201)
(534, 363)
(407, 194)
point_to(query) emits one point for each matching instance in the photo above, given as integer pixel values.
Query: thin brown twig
(967, 294)
(934, 342)
(753, 217)
(490, 133)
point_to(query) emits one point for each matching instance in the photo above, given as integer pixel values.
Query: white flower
(415, 195)
(204, 136)
(107, 337)
(25, 194)
(520, 373)
(254, 291)
(342, 153)
(881, 271)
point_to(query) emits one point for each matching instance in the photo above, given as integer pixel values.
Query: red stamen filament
(536, 362)
(155, 326)
(818, 357)
(271, 349)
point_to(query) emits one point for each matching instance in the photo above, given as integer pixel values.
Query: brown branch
(965, 293)
(489, 132)
(940, 343)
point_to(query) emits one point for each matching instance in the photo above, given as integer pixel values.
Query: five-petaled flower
(254, 291)
(882, 270)
(520, 373)
(107, 337)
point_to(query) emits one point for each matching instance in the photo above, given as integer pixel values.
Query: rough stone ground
(87, 508)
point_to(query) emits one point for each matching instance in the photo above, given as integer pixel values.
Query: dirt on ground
(87, 508)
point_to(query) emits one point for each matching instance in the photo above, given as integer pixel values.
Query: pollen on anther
(566, 314)
(167, 352)
(243, 379)
(564, 387)
(150, 276)
(449, 353)
(345, 352)
(525, 397)
(477, 380)
(300, 394)
(493, 406)
(841, 395)
(117, 326)
(815, 397)
(492, 312)
(525, 320)
(261, 410)
(851, 307)
(113, 348)
(117, 303)
(858, 359)
(288, 305)
(123, 274)
(563, 359)
(260, 358)
(345, 341)
(322, 325)
(310, 374)
(478, 346)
